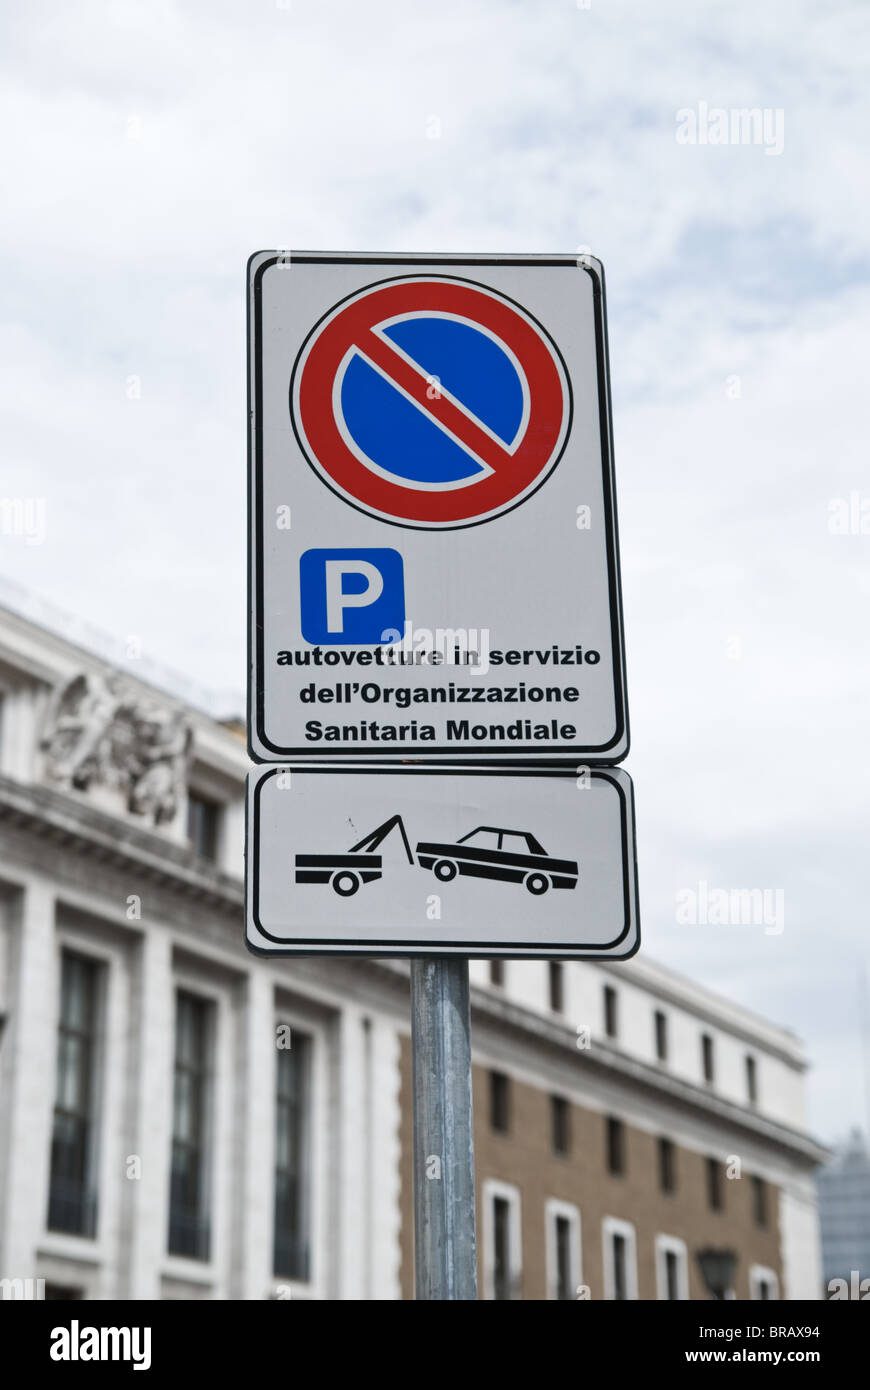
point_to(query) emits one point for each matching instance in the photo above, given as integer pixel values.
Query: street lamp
(718, 1268)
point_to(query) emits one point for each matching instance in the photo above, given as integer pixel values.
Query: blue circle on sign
(461, 361)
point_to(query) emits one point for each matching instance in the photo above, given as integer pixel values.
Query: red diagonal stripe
(440, 409)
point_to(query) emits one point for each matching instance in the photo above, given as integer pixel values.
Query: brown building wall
(524, 1158)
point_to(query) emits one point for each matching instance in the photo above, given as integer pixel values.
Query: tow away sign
(433, 563)
(438, 861)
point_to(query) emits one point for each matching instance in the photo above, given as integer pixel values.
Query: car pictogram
(490, 851)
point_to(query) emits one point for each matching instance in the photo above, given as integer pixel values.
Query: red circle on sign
(515, 472)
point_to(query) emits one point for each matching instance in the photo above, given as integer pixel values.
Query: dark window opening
(661, 1030)
(496, 972)
(189, 1232)
(292, 1235)
(72, 1202)
(759, 1201)
(499, 1102)
(751, 1080)
(714, 1184)
(560, 1124)
(667, 1166)
(672, 1275)
(611, 1012)
(620, 1267)
(501, 1281)
(557, 987)
(707, 1057)
(202, 825)
(564, 1285)
(615, 1146)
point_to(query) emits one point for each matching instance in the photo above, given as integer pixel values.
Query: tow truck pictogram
(359, 865)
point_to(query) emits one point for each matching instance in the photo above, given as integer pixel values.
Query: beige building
(180, 1119)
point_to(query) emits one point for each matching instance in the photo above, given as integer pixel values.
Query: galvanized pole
(445, 1245)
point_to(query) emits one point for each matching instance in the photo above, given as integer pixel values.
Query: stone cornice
(645, 1077)
(67, 820)
(703, 1004)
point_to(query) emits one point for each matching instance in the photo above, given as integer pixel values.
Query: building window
(63, 1293)
(202, 825)
(759, 1201)
(611, 1012)
(188, 1195)
(499, 1102)
(661, 1032)
(557, 987)
(562, 1234)
(560, 1124)
(763, 1283)
(72, 1203)
(615, 1145)
(714, 1184)
(564, 1270)
(292, 1237)
(620, 1260)
(667, 1165)
(672, 1268)
(707, 1058)
(496, 973)
(751, 1081)
(502, 1241)
(501, 1215)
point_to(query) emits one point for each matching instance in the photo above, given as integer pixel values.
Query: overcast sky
(150, 147)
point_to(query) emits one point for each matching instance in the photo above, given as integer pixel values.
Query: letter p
(351, 596)
(338, 598)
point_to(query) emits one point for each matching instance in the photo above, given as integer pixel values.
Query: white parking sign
(434, 567)
(437, 860)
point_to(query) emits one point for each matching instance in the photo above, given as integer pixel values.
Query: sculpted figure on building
(101, 732)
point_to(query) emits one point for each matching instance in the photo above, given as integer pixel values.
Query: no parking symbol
(431, 402)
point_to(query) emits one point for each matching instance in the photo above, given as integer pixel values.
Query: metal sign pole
(444, 1217)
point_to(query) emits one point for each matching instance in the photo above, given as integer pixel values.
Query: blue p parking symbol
(349, 596)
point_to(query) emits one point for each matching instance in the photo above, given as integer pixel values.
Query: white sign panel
(434, 566)
(435, 861)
